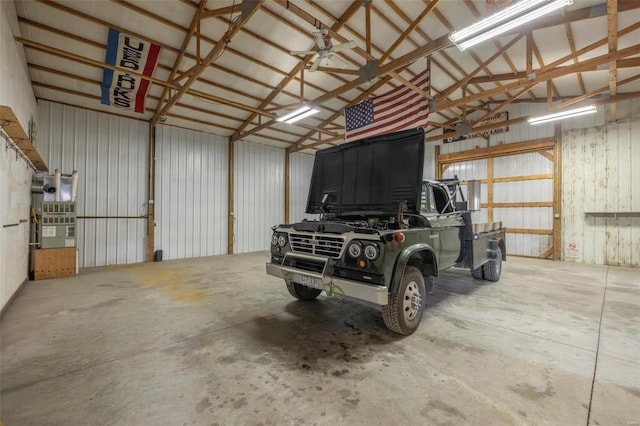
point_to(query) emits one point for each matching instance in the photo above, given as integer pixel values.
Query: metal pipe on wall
(57, 185)
(74, 185)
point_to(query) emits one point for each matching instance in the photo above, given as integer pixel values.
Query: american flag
(398, 109)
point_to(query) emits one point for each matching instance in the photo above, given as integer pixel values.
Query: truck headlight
(282, 240)
(274, 240)
(371, 252)
(355, 250)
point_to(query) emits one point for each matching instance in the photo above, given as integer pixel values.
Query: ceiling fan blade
(344, 46)
(338, 61)
(319, 37)
(302, 52)
(315, 65)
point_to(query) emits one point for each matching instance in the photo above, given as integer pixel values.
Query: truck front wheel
(404, 311)
(493, 268)
(301, 292)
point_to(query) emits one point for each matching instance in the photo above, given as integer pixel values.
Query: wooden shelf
(9, 123)
(613, 214)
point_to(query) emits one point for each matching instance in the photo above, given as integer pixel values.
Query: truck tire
(404, 311)
(303, 293)
(493, 268)
(478, 273)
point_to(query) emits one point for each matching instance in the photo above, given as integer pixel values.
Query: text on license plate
(310, 281)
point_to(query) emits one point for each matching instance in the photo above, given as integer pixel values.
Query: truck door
(449, 223)
(429, 211)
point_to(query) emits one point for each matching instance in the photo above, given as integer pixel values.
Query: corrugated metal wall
(300, 177)
(259, 195)
(507, 192)
(540, 218)
(600, 174)
(191, 193)
(110, 154)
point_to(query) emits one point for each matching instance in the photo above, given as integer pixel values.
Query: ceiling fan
(326, 50)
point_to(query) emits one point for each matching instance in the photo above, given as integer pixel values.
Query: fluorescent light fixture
(505, 20)
(298, 114)
(562, 115)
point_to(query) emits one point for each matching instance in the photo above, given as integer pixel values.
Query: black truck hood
(370, 174)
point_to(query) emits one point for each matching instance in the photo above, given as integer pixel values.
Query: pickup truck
(383, 232)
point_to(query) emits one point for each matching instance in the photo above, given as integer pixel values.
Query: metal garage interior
(197, 178)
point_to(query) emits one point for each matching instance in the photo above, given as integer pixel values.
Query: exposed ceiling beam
(572, 46)
(548, 72)
(304, 15)
(612, 27)
(620, 63)
(431, 7)
(222, 11)
(234, 28)
(185, 43)
(596, 92)
(92, 62)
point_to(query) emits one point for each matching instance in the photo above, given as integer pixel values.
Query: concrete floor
(215, 341)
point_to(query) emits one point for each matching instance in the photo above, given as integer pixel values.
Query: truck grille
(317, 244)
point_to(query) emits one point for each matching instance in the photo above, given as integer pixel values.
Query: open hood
(374, 174)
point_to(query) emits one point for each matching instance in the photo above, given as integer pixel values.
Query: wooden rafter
(431, 7)
(300, 13)
(234, 28)
(572, 46)
(612, 31)
(548, 72)
(187, 38)
(496, 43)
(596, 92)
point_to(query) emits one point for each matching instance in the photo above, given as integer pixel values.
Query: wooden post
(230, 206)
(287, 185)
(438, 164)
(151, 191)
(557, 194)
(490, 189)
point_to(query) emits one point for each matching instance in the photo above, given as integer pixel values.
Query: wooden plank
(524, 204)
(150, 243)
(557, 195)
(530, 231)
(523, 178)
(535, 145)
(612, 39)
(54, 263)
(546, 155)
(11, 126)
(490, 190)
(545, 254)
(231, 203)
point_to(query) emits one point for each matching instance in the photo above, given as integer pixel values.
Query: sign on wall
(494, 118)
(119, 88)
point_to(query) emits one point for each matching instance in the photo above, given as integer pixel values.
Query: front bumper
(367, 292)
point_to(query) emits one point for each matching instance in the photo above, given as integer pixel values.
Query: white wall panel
(110, 154)
(15, 198)
(521, 165)
(467, 170)
(191, 193)
(600, 174)
(301, 166)
(15, 176)
(259, 195)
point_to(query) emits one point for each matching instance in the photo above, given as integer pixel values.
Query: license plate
(310, 281)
